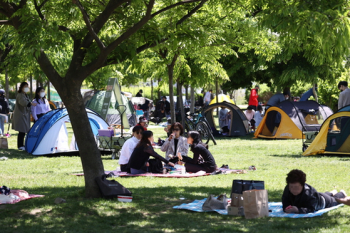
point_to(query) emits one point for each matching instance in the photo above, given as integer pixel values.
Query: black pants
(20, 139)
(124, 168)
(330, 199)
(193, 167)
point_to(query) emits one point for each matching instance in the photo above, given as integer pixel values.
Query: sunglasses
(176, 129)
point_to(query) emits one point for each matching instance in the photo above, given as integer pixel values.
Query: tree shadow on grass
(288, 156)
(150, 211)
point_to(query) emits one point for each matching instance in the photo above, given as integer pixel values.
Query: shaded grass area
(151, 209)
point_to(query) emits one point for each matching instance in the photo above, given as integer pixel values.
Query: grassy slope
(151, 209)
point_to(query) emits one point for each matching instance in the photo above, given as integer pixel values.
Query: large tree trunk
(151, 89)
(7, 86)
(186, 91)
(315, 92)
(89, 154)
(217, 94)
(171, 87)
(181, 103)
(31, 86)
(159, 91)
(192, 100)
(48, 91)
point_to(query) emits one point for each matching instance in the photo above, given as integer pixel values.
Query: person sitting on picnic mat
(301, 198)
(202, 159)
(143, 122)
(139, 160)
(129, 147)
(176, 143)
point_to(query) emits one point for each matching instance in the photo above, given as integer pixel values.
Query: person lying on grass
(301, 198)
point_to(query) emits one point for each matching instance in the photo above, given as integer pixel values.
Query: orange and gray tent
(238, 125)
(334, 135)
(289, 120)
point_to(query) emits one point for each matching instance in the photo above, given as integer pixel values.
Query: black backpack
(111, 188)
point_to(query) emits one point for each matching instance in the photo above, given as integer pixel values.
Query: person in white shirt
(129, 147)
(344, 97)
(207, 98)
(249, 113)
(42, 106)
(258, 116)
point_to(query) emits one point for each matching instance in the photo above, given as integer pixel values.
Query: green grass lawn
(151, 209)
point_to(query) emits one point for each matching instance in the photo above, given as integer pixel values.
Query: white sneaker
(22, 148)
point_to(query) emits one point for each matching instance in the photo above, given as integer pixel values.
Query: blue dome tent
(49, 134)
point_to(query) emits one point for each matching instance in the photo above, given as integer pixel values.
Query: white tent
(49, 134)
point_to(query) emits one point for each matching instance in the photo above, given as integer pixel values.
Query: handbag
(239, 186)
(3, 143)
(213, 203)
(255, 203)
(111, 188)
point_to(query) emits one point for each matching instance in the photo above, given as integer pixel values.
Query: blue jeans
(206, 103)
(2, 124)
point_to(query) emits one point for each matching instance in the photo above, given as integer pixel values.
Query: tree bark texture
(192, 100)
(315, 92)
(89, 154)
(181, 103)
(171, 87)
(159, 91)
(7, 86)
(31, 86)
(151, 89)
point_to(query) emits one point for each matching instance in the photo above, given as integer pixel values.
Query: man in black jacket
(299, 197)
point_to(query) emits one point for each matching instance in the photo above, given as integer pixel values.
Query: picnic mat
(187, 175)
(275, 207)
(23, 195)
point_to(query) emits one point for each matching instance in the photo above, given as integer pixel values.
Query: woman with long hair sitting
(202, 159)
(139, 158)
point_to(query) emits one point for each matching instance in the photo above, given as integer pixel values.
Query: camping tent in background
(117, 104)
(238, 125)
(334, 135)
(54, 96)
(290, 119)
(222, 98)
(49, 134)
(140, 100)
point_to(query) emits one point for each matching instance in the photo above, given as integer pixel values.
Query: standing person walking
(253, 98)
(344, 96)
(207, 97)
(42, 106)
(21, 114)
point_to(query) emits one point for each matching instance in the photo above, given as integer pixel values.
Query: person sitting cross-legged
(301, 198)
(202, 159)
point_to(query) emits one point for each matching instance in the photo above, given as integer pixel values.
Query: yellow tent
(332, 139)
(290, 119)
(222, 98)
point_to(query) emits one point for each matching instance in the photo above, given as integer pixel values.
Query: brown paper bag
(3, 143)
(237, 200)
(255, 203)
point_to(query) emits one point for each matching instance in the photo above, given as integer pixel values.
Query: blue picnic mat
(275, 207)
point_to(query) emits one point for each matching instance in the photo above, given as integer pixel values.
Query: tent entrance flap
(336, 140)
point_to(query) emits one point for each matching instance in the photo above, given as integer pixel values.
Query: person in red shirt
(253, 99)
(143, 122)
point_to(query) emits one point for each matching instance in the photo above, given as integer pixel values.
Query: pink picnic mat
(23, 195)
(187, 175)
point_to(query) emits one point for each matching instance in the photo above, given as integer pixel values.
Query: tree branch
(49, 70)
(43, 3)
(88, 25)
(172, 6)
(38, 9)
(194, 10)
(5, 22)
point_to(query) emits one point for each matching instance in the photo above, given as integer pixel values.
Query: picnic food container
(124, 198)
